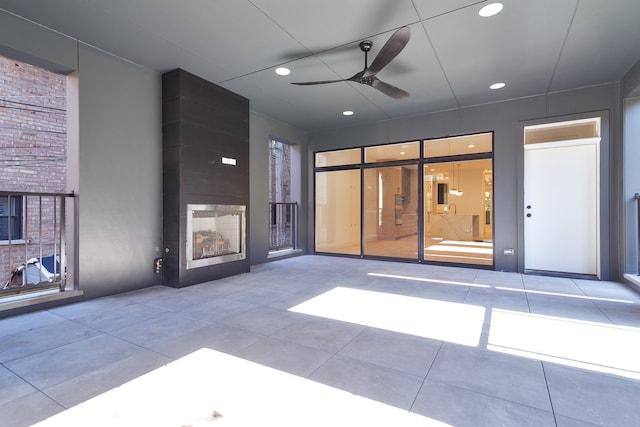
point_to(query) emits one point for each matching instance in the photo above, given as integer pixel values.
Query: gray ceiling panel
(322, 25)
(432, 8)
(533, 46)
(519, 47)
(603, 44)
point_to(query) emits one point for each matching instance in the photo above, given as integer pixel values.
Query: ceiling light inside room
(283, 71)
(490, 10)
(497, 86)
(347, 113)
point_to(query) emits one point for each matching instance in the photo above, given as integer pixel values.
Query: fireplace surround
(205, 180)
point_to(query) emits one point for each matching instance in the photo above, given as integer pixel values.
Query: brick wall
(33, 150)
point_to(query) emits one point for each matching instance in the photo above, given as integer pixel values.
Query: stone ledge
(18, 304)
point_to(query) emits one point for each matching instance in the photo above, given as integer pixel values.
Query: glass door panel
(458, 197)
(338, 212)
(391, 211)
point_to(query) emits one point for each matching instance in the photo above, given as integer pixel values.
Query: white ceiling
(534, 46)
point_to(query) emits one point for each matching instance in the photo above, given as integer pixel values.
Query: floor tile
(43, 338)
(120, 317)
(406, 353)
(562, 421)
(499, 279)
(263, 296)
(568, 307)
(323, 334)
(592, 397)
(213, 309)
(451, 293)
(503, 299)
(611, 290)
(463, 408)
(26, 322)
(375, 382)
(262, 320)
(105, 378)
(550, 284)
(621, 313)
(28, 410)
(285, 356)
(215, 336)
(85, 308)
(63, 363)
(12, 387)
(492, 374)
(155, 331)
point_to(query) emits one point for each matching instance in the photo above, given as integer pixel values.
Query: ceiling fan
(367, 76)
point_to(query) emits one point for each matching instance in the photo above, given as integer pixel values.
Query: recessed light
(471, 146)
(283, 71)
(497, 86)
(402, 153)
(347, 113)
(490, 10)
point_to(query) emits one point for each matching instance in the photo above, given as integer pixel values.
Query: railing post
(63, 244)
(637, 197)
(36, 207)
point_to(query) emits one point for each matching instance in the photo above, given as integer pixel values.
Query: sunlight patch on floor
(422, 279)
(588, 345)
(212, 388)
(428, 318)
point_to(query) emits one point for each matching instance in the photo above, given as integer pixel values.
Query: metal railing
(637, 197)
(33, 248)
(283, 226)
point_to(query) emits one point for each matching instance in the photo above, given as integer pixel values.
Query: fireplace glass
(215, 234)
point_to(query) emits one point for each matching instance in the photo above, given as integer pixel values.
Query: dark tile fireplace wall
(202, 123)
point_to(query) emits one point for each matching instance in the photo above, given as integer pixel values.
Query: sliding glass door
(390, 200)
(425, 200)
(338, 212)
(457, 212)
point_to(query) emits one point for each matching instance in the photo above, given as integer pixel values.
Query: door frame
(610, 190)
(593, 141)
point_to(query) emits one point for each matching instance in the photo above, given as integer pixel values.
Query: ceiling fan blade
(321, 82)
(390, 50)
(388, 89)
(355, 78)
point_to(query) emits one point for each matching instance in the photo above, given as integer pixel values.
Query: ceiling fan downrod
(366, 46)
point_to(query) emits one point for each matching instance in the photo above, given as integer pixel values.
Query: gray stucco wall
(120, 174)
(507, 120)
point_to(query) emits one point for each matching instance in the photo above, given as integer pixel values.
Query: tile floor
(313, 340)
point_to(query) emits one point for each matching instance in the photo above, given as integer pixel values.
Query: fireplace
(205, 155)
(215, 234)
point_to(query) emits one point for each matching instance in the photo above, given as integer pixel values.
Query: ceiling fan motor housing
(366, 45)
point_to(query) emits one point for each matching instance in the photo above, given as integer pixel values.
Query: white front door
(562, 206)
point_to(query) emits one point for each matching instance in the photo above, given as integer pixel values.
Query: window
(10, 218)
(284, 191)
